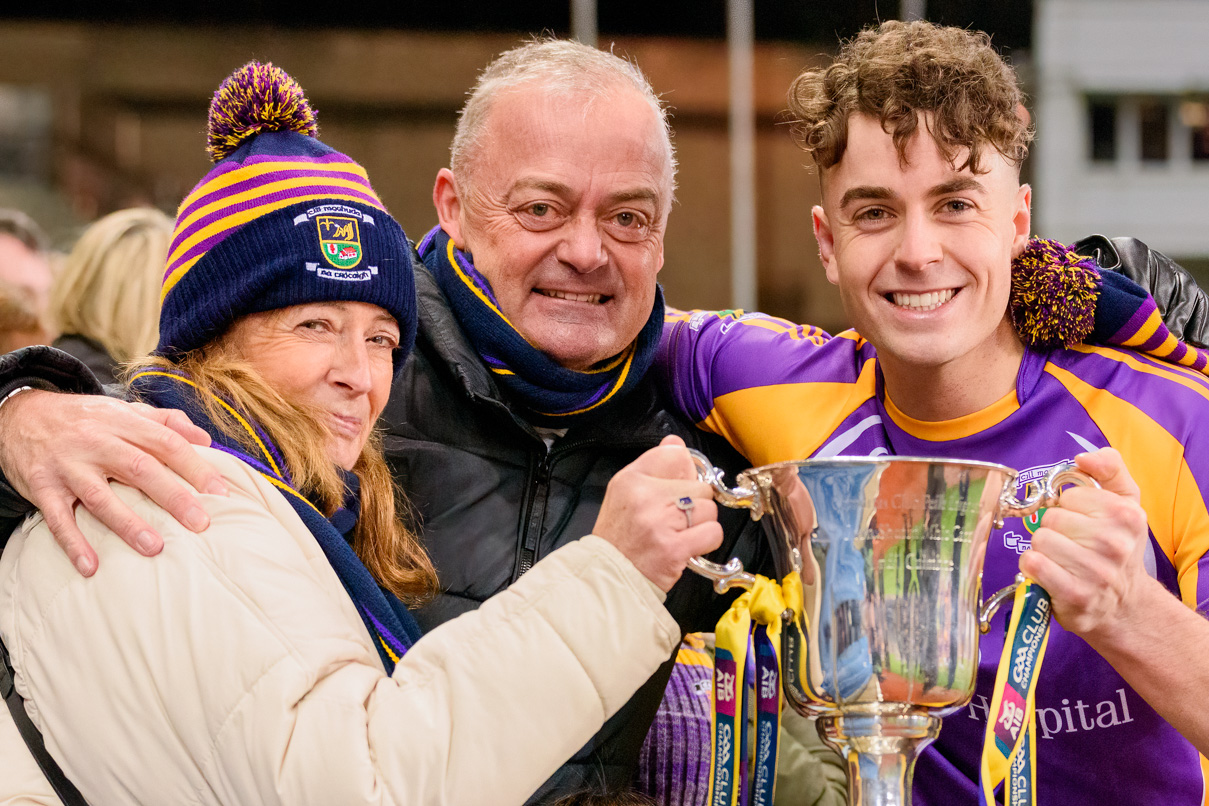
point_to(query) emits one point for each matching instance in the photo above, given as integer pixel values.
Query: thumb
(672, 439)
(1107, 467)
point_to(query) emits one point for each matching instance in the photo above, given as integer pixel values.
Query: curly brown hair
(899, 69)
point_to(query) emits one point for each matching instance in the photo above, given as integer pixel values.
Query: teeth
(567, 295)
(923, 302)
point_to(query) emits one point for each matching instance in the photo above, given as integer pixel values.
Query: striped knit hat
(281, 219)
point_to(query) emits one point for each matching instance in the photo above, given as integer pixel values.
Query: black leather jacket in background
(491, 501)
(1184, 305)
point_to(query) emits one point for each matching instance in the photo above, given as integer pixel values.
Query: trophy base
(880, 750)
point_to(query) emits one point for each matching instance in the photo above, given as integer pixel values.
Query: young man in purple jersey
(915, 133)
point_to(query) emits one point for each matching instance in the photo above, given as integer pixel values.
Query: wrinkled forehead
(616, 111)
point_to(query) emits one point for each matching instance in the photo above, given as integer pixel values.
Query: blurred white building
(1122, 114)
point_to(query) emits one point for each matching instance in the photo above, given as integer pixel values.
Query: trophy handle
(732, 574)
(990, 606)
(1048, 495)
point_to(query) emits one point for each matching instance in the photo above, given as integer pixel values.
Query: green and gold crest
(339, 240)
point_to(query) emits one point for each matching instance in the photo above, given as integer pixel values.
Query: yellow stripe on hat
(219, 225)
(261, 190)
(246, 172)
(243, 217)
(1147, 330)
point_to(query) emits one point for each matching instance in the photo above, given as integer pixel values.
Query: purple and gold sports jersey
(779, 391)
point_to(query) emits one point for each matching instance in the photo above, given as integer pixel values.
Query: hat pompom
(256, 98)
(1053, 297)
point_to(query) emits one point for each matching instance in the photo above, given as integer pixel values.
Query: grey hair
(24, 229)
(564, 67)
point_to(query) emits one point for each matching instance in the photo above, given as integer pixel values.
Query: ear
(823, 234)
(446, 199)
(1022, 220)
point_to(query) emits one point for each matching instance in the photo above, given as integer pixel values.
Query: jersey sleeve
(772, 388)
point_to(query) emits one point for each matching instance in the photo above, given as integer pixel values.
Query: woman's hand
(644, 515)
(57, 450)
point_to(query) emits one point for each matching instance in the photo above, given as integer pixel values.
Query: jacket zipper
(537, 515)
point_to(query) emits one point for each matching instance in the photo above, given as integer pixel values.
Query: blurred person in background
(24, 257)
(20, 325)
(105, 302)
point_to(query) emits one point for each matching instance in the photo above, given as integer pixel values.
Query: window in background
(1195, 115)
(1102, 123)
(1152, 119)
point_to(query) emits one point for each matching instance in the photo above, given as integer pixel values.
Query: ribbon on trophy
(1009, 751)
(747, 655)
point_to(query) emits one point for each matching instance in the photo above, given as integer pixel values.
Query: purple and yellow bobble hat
(281, 219)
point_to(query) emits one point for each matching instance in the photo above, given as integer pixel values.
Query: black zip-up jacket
(491, 500)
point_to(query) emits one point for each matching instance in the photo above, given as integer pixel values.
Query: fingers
(177, 420)
(1107, 467)
(669, 460)
(1092, 516)
(66, 448)
(62, 522)
(645, 515)
(701, 509)
(162, 438)
(702, 538)
(1089, 552)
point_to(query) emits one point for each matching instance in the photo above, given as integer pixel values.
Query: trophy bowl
(887, 553)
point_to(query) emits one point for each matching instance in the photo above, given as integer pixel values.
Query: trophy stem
(881, 750)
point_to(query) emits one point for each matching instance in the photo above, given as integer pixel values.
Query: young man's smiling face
(921, 251)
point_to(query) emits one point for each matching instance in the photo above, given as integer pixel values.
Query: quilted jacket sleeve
(233, 668)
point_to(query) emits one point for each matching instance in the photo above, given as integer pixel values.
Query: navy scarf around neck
(553, 396)
(390, 625)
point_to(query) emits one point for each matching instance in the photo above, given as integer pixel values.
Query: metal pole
(912, 10)
(740, 39)
(583, 21)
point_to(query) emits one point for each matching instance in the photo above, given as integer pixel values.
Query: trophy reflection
(888, 552)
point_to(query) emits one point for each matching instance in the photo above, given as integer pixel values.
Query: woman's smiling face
(337, 357)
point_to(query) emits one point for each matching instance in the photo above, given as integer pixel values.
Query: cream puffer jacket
(234, 669)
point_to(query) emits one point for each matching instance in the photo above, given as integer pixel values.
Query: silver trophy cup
(889, 554)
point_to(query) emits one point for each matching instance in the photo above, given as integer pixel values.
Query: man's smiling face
(564, 214)
(921, 251)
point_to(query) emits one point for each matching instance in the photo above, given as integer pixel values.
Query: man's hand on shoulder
(58, 450)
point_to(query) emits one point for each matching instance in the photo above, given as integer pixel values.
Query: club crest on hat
(339, 240)
(339, 230)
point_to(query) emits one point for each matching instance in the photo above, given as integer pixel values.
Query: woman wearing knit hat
(272, 658)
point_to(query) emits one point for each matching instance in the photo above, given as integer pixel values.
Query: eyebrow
(561, 189)
(879, 193)
(958, 185)
(871, 192)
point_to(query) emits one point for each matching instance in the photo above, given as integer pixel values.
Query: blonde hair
(109, 287)
(390, 551)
